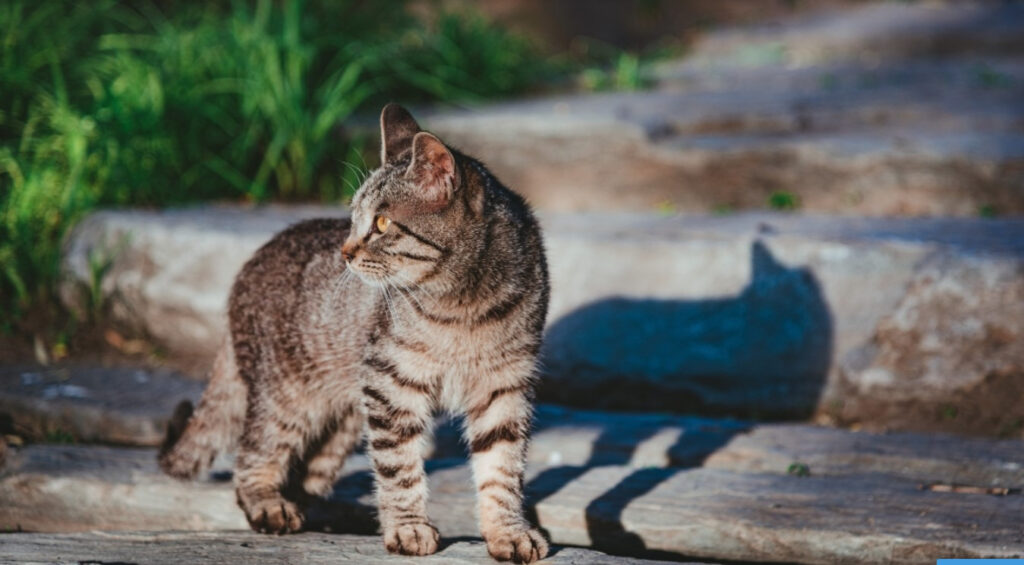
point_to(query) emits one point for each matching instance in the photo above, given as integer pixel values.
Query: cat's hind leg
(194, 439)
(273, 439)
(324, 461)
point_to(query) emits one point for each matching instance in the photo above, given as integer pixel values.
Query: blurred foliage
(783, 200)
(109, 103)
(605, 67)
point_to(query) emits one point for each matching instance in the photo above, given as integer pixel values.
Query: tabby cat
(432, 297)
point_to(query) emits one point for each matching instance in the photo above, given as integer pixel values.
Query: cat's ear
(397, 128)
(432, 169)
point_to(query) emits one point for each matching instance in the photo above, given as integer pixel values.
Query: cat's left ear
(432, 169)
(397, 128)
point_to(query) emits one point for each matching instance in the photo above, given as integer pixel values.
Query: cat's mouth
(372, 276)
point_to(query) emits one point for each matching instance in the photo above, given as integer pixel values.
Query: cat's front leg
(497, 426)
(397, 415)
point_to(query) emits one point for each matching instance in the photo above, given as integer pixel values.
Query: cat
(433, 296)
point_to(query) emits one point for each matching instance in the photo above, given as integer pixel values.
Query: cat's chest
(442, 350)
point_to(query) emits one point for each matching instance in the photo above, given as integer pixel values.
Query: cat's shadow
(763, 353)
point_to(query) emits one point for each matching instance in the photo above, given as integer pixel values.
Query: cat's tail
(194, 439)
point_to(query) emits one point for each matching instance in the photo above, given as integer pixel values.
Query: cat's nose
(347, 253)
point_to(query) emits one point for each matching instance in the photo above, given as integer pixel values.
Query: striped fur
(339, 330)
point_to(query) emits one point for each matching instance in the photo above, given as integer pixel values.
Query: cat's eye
(381, 224)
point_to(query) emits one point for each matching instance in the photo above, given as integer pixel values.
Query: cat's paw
(412, 539)
(519, 546)
(317, 486)
(183, 466)
(274, 516)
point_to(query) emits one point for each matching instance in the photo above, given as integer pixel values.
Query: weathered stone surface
(753, 517)
(931, 458)
(564, 436)
(129, 489)
(883, 109)
(870, 32)
(748, 314)
(956, 336)
(172, 270)
(113, 405)
(77, 488)
(246, 547)
(903, 139)
(862, 503)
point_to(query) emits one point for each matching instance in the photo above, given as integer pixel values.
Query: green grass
(136, 103)
(798, 469)
(783, 200)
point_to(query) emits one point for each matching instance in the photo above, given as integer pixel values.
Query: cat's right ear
(397, 128)
(432, 169)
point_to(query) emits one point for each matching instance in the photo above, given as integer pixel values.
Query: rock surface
(869, 498)
(880, 109)
(565, 436)
(745, 314)
(172, 270)
(917, 139)
(111, 405)
(932, 458)
(868, 33)
(246, 547)
(883, 109)
(956, 335)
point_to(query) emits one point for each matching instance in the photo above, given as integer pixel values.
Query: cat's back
(276, 281)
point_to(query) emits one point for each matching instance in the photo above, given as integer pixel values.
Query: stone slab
(900, 139)
(111, 405)
(566, 436)
(927, 458)
(755, 517)
(870, 32)
(752, 314)
(907, 109)
(247, 547)
(863, 501)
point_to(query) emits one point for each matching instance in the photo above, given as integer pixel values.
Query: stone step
(131, 406)
(896, 151)
(903, 498)
(565, 436)
(927, 458)
(884, 109)
(895, 323)
(246, 547)
(869, 33)
(111, 405)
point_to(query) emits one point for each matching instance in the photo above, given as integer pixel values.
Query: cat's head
(411, 216)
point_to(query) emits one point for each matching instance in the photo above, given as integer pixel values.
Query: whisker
(361, 172)
(411, 286)
(388, 303)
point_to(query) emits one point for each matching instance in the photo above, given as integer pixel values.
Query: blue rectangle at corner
(980, 562)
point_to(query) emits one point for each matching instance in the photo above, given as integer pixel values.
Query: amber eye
(381, 224)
